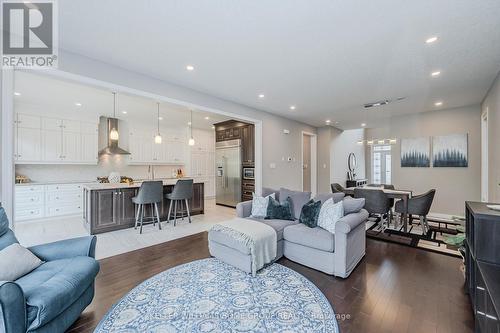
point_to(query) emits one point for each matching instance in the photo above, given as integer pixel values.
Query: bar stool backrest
(183, 189)
(150, 192)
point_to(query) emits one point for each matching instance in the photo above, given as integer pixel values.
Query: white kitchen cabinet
(42, 201)
(28, 145)
(90, 148)
(143, 149)
(52, 146)
(71, 147)
(47, 140)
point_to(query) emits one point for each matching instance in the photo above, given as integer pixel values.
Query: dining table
(403, 195)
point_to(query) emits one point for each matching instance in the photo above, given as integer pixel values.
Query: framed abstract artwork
(415, 152)
(450, 151)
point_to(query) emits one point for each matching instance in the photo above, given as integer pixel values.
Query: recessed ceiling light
(436, 73)
(160, 118)
(431, 40)
(438, 103)
(207, 117)
(17, 93)
(292, 107)
(261, 96)
(363, 124)
(328, 121)
(190, 67)
(78, 104)
(124, 112)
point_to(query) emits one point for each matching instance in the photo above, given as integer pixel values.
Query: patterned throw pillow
(310, 213)
(259, 205)
(329, 214)
(275, 211)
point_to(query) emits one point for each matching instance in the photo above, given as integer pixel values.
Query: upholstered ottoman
(243, 243)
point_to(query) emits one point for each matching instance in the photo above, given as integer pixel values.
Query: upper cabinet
(247, 145)
(143, 149)
(45, 140)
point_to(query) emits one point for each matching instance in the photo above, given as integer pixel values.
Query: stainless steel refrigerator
(228, 172)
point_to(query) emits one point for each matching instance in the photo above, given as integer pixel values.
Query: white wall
(491, 103)
(342, 144)
(334, 147)
(453, 186)
(276, 145)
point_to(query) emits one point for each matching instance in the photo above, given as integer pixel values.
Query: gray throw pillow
(325, 196)
(352, 205)
(298, 199)
(16, 261)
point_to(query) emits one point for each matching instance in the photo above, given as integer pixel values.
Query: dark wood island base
(108, 208)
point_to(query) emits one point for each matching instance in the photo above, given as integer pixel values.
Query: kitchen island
(108, 207)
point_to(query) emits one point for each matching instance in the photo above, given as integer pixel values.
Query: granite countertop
(107, 186)
(94, 185)
(57, 182)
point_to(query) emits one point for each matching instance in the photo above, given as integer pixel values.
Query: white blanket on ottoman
(258, 237)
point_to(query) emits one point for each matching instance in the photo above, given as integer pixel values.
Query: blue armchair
(51, 297)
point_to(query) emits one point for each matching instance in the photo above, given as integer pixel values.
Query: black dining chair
(337, 188)
(150, 193)
(418, 205)
(376, 202)
(182, 192)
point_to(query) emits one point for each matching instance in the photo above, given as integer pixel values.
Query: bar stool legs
(187, 210)
(181, 205)
(139, 217)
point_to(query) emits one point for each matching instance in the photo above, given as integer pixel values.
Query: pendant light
(113, 134)
(191, 139)
(158, 135)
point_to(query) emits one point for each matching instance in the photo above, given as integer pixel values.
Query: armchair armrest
(244, 209)
(351, 221)
(12, 308)
(68, 248)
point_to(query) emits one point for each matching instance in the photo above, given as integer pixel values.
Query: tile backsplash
(107, 164)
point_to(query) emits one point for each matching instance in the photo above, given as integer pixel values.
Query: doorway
(309, 162)
(382, 164)
(484, 156)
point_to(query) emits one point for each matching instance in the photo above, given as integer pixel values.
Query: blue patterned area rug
(210, 296)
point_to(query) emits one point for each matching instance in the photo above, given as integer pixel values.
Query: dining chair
(376, 202)
(418, 205)
(337, 188)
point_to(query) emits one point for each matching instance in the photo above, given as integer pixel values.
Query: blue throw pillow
(310, 213)
(275, 211)
(4, 222)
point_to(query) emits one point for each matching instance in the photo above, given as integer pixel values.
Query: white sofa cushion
(259, 205)
(329, 214)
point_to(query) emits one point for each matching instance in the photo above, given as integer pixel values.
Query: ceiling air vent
(378, 103)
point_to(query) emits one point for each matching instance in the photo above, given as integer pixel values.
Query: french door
(381, 164)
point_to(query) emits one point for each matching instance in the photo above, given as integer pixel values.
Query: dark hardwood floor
(394, 289)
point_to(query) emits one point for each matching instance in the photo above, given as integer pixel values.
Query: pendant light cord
(158, 120)
(114, 105)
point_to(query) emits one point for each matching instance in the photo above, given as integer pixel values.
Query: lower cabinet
(112, 209)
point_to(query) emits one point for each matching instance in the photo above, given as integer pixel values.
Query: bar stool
(150, 193)
(182, 192)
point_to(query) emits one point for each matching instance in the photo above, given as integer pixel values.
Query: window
(381, 164)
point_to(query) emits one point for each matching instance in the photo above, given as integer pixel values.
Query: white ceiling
(327, 57)
(57, 97)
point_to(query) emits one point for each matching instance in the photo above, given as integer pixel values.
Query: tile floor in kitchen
(121, 241)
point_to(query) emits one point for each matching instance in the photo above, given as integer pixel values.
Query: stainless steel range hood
(112, 147)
